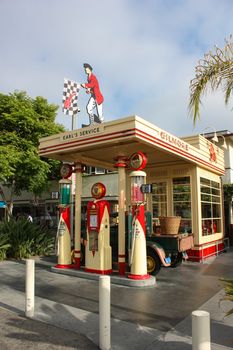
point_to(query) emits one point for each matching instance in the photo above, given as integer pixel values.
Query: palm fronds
(215, 69)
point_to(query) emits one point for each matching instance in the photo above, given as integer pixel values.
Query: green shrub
(44, 243)
(26, 239)
(4, 245)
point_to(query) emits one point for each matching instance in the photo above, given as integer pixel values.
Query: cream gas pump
(138, 256)
(63, 241)
(98, 252)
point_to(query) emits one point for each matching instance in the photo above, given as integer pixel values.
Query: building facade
(185, 175)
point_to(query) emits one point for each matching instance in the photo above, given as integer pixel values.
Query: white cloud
(143, 52)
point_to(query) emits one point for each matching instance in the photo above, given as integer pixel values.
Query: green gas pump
(65, 192)
(63, 241)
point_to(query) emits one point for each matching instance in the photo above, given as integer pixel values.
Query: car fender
(160, 252)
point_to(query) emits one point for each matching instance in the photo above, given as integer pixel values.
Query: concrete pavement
(18, 332)
(67, 326)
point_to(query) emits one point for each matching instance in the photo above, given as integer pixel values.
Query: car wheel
(176, 260)
(153, 262)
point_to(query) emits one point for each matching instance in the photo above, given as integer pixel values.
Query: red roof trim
(126, 133)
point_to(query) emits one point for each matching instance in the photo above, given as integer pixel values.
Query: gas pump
(63, 233)
(138, 256)
(98, 252)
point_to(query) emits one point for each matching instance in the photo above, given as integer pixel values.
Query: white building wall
(228, 158)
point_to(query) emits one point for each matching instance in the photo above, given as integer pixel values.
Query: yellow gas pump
(98, 252)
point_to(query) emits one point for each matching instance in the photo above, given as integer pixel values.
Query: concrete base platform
(116, 279)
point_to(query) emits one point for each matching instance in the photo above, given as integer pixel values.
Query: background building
(224, 139)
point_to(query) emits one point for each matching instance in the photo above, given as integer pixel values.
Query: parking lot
(178, 291)
(147, 314)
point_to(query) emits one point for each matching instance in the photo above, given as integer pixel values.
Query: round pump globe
(98, 190)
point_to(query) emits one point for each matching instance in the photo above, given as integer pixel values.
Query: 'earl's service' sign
(81, 133)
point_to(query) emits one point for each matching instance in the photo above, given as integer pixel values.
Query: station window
(159, 201)
(99, 171)
(182, 202)
(90, 170)
(210, 206)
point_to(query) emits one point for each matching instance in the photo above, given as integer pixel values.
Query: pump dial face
(138, 161)
(98, 190)
(66, 171)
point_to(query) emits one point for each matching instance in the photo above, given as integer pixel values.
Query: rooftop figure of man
(96, 99)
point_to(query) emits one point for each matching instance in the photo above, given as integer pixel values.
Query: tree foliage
(213, 71)
(23, 121)
(228, 191)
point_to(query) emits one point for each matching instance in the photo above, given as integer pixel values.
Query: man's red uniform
(93, 84)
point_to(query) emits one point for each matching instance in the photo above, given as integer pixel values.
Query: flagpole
(73, 127)
(70, 106)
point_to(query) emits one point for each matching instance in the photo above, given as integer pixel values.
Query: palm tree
(215, 69)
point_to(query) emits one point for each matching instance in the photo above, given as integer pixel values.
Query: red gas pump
(98, 253)
(138, 256)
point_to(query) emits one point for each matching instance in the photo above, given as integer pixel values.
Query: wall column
(77, 222)
(121, 165)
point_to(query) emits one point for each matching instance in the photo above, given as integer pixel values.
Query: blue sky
(143, 53)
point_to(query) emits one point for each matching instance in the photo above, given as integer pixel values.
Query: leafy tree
(228, 192)
(23, 121)
(214, 70)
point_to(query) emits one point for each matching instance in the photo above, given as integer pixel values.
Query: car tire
(153, 262)
(176, 260)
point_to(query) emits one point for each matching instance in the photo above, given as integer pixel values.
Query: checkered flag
(70, 97)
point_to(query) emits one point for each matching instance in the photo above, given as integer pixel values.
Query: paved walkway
(61, 326)
(18, 332)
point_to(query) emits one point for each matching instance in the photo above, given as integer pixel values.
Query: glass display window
(182, 202)
(159, 203)
(210, 206)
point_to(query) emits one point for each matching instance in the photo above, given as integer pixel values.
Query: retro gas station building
(185, 173)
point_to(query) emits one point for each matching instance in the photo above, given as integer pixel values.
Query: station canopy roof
(101, 144)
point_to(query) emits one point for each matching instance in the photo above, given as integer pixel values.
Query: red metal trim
(203, 244)
(139, 277)
(127, 133)
(202, 254)
(140, 216)
(77, 263)
(66, 217)
(61, 266)
(121, 162)
(143, 161)
(120, 165)
(86, 141)
(177, 150)
(121, 266)
(101, 272)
